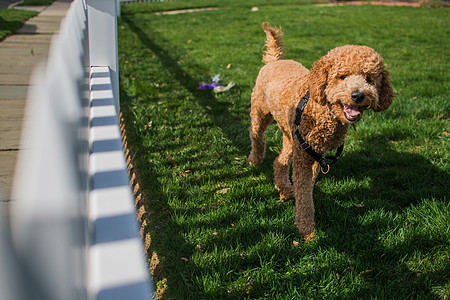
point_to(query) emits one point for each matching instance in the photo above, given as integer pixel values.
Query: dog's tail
(273, 49)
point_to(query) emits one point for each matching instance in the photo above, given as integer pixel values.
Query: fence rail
(74, 231)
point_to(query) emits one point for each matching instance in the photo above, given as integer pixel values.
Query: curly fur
(273, 48)
(343, 84)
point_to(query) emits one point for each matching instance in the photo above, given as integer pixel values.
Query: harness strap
(300, 108)
(324, 165)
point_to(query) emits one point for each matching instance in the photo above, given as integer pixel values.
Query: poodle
(341, 86)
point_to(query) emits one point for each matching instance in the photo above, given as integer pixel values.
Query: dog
(341, 86)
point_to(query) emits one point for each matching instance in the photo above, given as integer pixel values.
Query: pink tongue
(352, 111)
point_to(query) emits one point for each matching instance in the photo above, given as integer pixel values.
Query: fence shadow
(220, 115)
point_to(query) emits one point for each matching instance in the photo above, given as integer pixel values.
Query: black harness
(324, 165)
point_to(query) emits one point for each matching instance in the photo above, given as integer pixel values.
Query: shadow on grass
(397, 181)
(8, 27)
(220, 115)
(365, 223)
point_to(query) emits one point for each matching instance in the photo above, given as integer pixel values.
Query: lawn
(13, 19)
(215, 227)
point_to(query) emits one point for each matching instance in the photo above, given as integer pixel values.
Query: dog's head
(349, 80)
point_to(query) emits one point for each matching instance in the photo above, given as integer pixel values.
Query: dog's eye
(343, 77)
(369, 80)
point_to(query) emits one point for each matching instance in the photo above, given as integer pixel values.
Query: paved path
(19, 54)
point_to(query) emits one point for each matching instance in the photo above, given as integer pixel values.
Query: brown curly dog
(342, 85)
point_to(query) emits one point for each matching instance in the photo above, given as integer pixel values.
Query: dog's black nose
(358, 96)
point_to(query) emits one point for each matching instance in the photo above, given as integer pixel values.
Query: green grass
(217, 225)
(13, 19)
(139, 8)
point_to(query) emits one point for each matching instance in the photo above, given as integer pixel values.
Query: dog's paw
(251, 161)
(286, 193)
(309, 237)
(306, 231)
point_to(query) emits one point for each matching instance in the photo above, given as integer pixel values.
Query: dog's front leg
(281, 170)
(304, 175)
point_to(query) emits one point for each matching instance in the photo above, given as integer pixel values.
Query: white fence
(74, 231)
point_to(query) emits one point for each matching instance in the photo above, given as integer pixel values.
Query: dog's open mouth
(351, 112)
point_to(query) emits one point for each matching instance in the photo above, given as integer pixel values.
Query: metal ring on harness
(325, 172)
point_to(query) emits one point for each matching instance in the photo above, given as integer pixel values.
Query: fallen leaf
(215, 233)
(228, 66)
(200, 247)
(365, 272)
(446, 133)
(295, 243)
(170, 160)
(185, 259)
(358, 205)
(208, 107)
(223, 191)
(249, 281)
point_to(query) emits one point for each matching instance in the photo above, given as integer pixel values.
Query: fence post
(102, 20)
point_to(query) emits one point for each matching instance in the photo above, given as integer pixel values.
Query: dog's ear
(385, 92)
(317, 80)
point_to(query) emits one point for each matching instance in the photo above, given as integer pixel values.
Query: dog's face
(350, 80)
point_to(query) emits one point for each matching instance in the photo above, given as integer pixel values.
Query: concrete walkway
(19, 54)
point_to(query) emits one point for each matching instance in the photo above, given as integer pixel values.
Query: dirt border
(188, 10)
(143, 217)
(342, 3)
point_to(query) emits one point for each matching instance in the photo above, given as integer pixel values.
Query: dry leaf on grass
(200, 247)
(170, 159)
(365, 272)
(223, 191)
